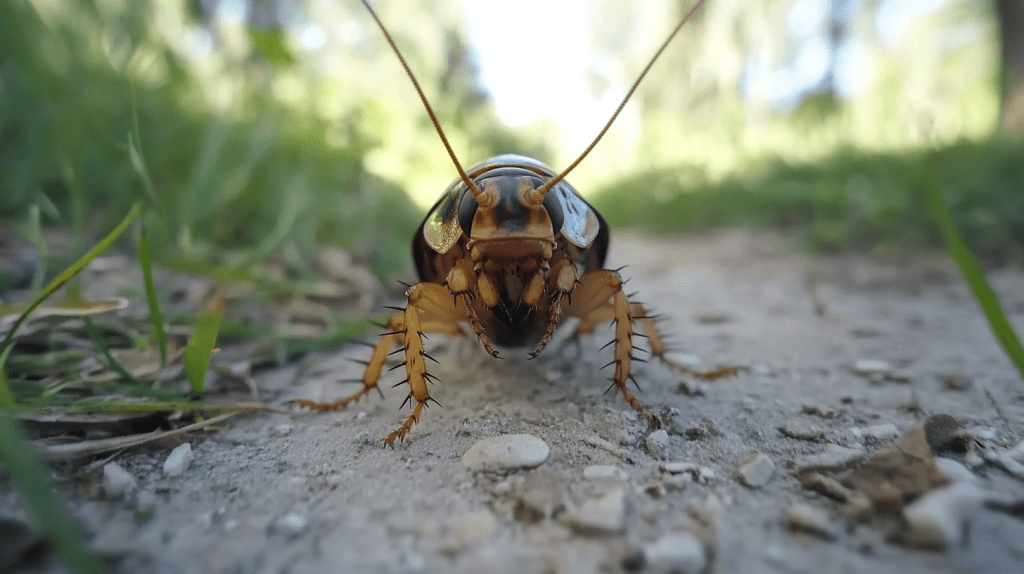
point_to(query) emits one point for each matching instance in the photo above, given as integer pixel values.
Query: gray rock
(801, 430)
(757, 472)
(657, 443)
(676, 553)
(806, 518)
(936, 519)
(506, 452)
(835, 457)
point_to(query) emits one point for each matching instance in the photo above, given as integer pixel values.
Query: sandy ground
(304, 492)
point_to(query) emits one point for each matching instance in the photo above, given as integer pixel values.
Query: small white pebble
(868, 367)
(179, 459)
(117, 480)
(677, 553)
(678, 467)
(757, 472)
(506, 452)
(291, 524)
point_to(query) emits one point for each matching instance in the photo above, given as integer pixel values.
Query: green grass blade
(29, 475)
(6, 396)
(200, 346)
(974, 276)
(155, 316)
(97, 340)
(70, 272)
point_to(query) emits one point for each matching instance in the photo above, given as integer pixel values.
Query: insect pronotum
(510, 249)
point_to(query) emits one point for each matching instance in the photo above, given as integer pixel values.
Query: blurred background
(270, 128)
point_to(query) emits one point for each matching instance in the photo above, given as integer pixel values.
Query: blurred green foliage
(262, 142)
(851, 200)
(252, 149)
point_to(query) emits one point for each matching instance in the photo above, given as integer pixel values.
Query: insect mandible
(510, 248)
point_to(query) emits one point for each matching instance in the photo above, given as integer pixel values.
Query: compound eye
(467, 210)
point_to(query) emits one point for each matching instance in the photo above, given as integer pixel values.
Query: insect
(511, 249)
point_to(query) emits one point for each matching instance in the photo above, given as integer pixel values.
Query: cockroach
(510, 249)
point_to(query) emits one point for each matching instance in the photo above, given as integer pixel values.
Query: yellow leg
(430, 308)
(597, 291)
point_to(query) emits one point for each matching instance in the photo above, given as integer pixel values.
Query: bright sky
(513, 63)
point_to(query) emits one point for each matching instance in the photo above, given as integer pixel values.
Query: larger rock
(507, 452)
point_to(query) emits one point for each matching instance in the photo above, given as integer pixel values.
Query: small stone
(281, 430)
(291, 524)
(179, 459)
(835, 457)
(954, 471)
(679, 467)
(602, 515)
(602, 472)
(1008, 464)
(657, 443)
(506, 452)
(677, 553)
(870, 367)
(1017, 452)
(936, 519)
(900, 376)
(955, 381)
(757, 472)
(708, 317)
(802, 431)
(945, 434)
(116, 480)
(825, 413)
(470, 529)
(538, 497)
(828, 486)
(806, 518)
(877, 434)
(690, 389)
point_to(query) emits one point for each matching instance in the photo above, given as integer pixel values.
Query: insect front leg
(598, 292)
(462, 282)
(562, 279)
(430, 305)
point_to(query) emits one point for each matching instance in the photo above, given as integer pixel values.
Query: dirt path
(318, 493)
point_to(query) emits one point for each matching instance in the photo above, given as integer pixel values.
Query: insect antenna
(482, 198)
(537, 196)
